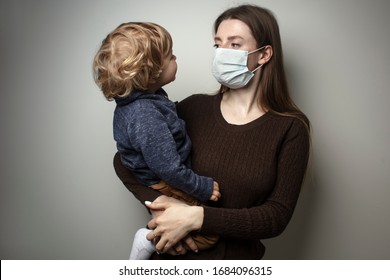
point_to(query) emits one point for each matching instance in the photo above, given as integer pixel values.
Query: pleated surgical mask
(230, 67)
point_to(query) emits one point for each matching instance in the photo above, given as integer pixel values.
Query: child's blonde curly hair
(130, 58)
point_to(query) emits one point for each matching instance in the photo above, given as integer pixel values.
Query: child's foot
(142, 248)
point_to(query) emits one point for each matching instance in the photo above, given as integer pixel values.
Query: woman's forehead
(233, 29)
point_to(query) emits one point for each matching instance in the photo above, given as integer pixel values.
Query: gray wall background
(59, 195)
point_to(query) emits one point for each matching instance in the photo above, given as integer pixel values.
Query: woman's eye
(234, 45)
(216, 46)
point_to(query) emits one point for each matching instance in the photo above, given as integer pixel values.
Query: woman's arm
(268, 218)
(264, 219)
(141, 192)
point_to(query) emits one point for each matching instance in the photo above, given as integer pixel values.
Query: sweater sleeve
(269, 218)
(141, 192)
(152, 136)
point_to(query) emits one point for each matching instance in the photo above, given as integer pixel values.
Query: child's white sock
(142, 248)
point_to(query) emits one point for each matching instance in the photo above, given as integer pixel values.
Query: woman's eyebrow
(230, 38)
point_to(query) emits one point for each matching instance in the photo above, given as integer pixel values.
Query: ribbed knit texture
(259, 166)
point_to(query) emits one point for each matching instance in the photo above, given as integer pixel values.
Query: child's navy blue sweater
(154, 145)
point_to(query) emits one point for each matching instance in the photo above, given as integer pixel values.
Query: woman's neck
(240, 106)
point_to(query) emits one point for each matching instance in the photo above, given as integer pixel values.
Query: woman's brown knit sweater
(259, 166)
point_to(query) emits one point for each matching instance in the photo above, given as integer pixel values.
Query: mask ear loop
(261, 65)
(257, 50)
(257, 68)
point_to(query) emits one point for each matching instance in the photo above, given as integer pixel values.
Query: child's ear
(265, 55)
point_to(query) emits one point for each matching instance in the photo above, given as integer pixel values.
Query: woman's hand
(161, 199)
(181, 247)
(174, 224)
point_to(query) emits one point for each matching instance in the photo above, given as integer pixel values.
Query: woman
(250, 137)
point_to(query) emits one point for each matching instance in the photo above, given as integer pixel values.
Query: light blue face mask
(230, 67)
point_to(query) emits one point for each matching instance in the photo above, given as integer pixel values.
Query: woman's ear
(265, 55)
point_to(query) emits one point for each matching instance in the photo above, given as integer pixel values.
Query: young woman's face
(169, 69)
(235, 34)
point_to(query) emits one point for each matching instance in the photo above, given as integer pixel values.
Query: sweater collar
(136, 94)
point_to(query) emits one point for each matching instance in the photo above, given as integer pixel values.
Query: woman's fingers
(160, 245)
(157, 206)
(151, 236)
(152, 224)
(154, 205)
(190, 243)
(164, 245)
(180, 249)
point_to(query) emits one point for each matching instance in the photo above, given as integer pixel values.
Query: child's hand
(216, 194)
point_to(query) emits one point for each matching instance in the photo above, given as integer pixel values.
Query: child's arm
(140, 192)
